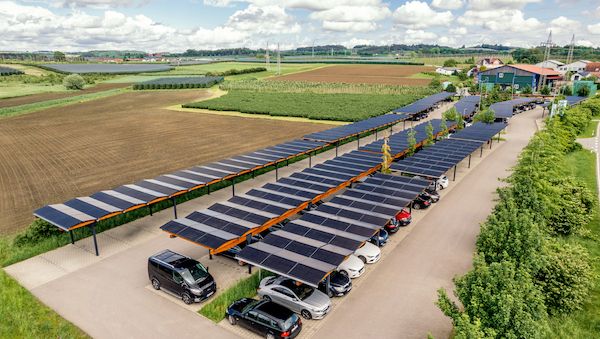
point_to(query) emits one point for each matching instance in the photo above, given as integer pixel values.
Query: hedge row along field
(9, 71)
(321, 87)
(337, 106)
(537, 264)
(237, 71)
(179, 83)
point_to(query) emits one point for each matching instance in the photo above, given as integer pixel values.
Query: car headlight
(196, 291)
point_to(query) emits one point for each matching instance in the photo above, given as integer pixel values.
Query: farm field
(225, 66)
(56, 154)
(59, 94)
(371, 74)
(108, 68)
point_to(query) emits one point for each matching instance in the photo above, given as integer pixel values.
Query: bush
(527, 90)
(450, 63)
(565, 276)
(566, 90)
(583, 91)
(486, 116)
(545, 90)
(435, 84)
(451, 88)
(37, 231)
(572, 205)
(74, 81)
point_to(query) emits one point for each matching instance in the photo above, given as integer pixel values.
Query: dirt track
(60, 153)
(371, 74)
(28, 99)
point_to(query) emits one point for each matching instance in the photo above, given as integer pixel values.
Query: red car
(403, 218)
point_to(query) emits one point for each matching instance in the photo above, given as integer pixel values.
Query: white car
(443, 182)
(309, 302)
(368, 253)
(352, 267)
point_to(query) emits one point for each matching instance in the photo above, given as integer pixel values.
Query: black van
(180, 275)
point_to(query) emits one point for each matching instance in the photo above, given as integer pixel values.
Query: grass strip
(244, 288)
(23, 316)
(590, 130)
(37, 106)
(584, 323)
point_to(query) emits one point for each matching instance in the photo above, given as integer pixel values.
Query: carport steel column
(93, 228)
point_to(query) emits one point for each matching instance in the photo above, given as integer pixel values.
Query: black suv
(180, 275)
(265, 318)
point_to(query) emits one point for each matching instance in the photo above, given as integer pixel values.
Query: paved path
(397, 300)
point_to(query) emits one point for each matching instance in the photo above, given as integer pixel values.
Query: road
(399, 295)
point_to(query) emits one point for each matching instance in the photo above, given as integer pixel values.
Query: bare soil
(29, 99)
(370, 74)
(57, 154)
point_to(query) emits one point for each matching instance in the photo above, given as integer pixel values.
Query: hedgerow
(526, 268)
(237, 71)
(179, 83)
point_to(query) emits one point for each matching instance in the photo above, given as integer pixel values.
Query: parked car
(309, 302)
(184, 277)
(339, 285)
(443, 181)
(421, 202)
(433, 197)
(265, 318)
(232, 252)
(368, 253)
(381, 236)
(352, 267)
(402, 218)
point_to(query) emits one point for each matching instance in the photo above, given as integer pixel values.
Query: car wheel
(270, 336)
(155, 284)
(241, 263)
(187, 298)
(306, 314)
(329, 293)
(363, 259)
(267, 298)
(232, 320)
(417, 206)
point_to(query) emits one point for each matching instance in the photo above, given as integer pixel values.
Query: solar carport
(574, 100)
(308, 249)
(506, 109)
(424, 105)
(468, 105)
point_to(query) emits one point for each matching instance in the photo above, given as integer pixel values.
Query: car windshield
(290, 322)
(194, 273)
(302, 291)
(250, 306)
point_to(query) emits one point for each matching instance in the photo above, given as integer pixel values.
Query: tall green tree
(429, 132)
(412, 142)
(443, 127)
(59, 56)
(486, 116)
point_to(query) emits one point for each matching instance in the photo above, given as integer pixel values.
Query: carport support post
(336, 148)
(276, 171)
(174, 207)
(491, 141)
(93, 227)
(328, 283)
(309, 159)
(454, 178)
(403, 124)
(481, 152)
(72, 239)
(150, 208)
(249, 269)
(233, 186)
(469, 160)
(375, 134)
(358, 141)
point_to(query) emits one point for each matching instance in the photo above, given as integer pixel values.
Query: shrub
(572, 205)
(37, 231)
(450, 63)
(412, 142)
(583, 91)
(566, 90)
(486, 116)
(527, 90)
(435, 84)
(451, 88)
(565, 276)
(74, 81)
(545, 90)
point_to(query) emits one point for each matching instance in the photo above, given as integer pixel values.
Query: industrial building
(517, 76)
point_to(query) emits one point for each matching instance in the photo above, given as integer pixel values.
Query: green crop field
(319, 106)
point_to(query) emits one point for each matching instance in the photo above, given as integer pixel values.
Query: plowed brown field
(370, 74)
(61, 153)
(29, 99)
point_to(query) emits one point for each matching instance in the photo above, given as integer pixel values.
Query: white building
(552, 64)
(574, 66)
(447, 70)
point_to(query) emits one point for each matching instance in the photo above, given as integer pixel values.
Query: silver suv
(309, 302)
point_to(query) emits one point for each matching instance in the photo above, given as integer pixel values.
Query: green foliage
(179, 83)
(336, 106)
(429, 131)
(451, 114)
(572, 206)
(462, 75)
(464, 326)
(486, 116)
(527, 90)
(565, 276)
(496, 94)
(450, 88)
(460, 122)
(37, 231)
(59, 56)
(236, 71)
(435, 83)
(412, 142)
(74, 81)
(583, 91)
(545, 90)
(444, 127)
(566, 90)
(24, 316)
(450, 63)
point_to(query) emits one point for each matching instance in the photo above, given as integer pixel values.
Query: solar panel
(346, 131)
(424, 104)
(574, 100)
(467, 105)
(505, 109)
(480, 131)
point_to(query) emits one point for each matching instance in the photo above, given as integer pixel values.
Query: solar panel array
(505, 109)
(574, 100)
(309, 248)
(398, 142)
(480, 131)
(82, 211)
(424, 104)
(436, 160)
(261, 207)
(467, 105)
(346, 131)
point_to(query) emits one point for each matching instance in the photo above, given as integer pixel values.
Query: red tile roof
(536, 69)
(593, 67)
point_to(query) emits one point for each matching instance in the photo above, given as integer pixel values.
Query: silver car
(309, 302)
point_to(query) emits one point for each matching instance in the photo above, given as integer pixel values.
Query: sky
(177, 25)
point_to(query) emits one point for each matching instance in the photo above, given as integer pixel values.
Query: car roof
(274, 310)
(171, 258)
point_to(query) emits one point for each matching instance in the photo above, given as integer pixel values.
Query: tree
(571, 207)
(443, 127)
(583, 91)
(435, 83)
(486, 116)
(565, 277)
(566, 90)
(462, 75)
(500, 295)
(464, 326)
(545, 90)
(74, 81)
(451, 88)
(412, 142)
(451, 114)
(450, 63)
(386, 157)
(59, 56)
(429, 132)
(460, 122)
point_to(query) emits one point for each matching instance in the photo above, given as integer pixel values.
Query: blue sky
(161, 25)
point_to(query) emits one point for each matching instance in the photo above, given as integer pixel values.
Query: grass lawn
(590, 130)
(337, 106)
(23, 316)
(584, 323)
(11, 90)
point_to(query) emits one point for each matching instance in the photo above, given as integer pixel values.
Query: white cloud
(217, 3)
(488, 5)
(417, 14)
(412, 36)
(447, 41)
(505, 20)
(459, 30)
(349, 26)
(352, 13)
(447, 4)
(584, 43)
(594, 29)
(103, 4)
(263, 20)
(563, 25)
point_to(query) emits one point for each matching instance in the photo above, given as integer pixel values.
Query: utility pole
(278, 60)
(313, 49)
(548, 44)
(571, 47)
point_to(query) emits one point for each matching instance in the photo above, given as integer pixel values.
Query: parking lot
(96, 292)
